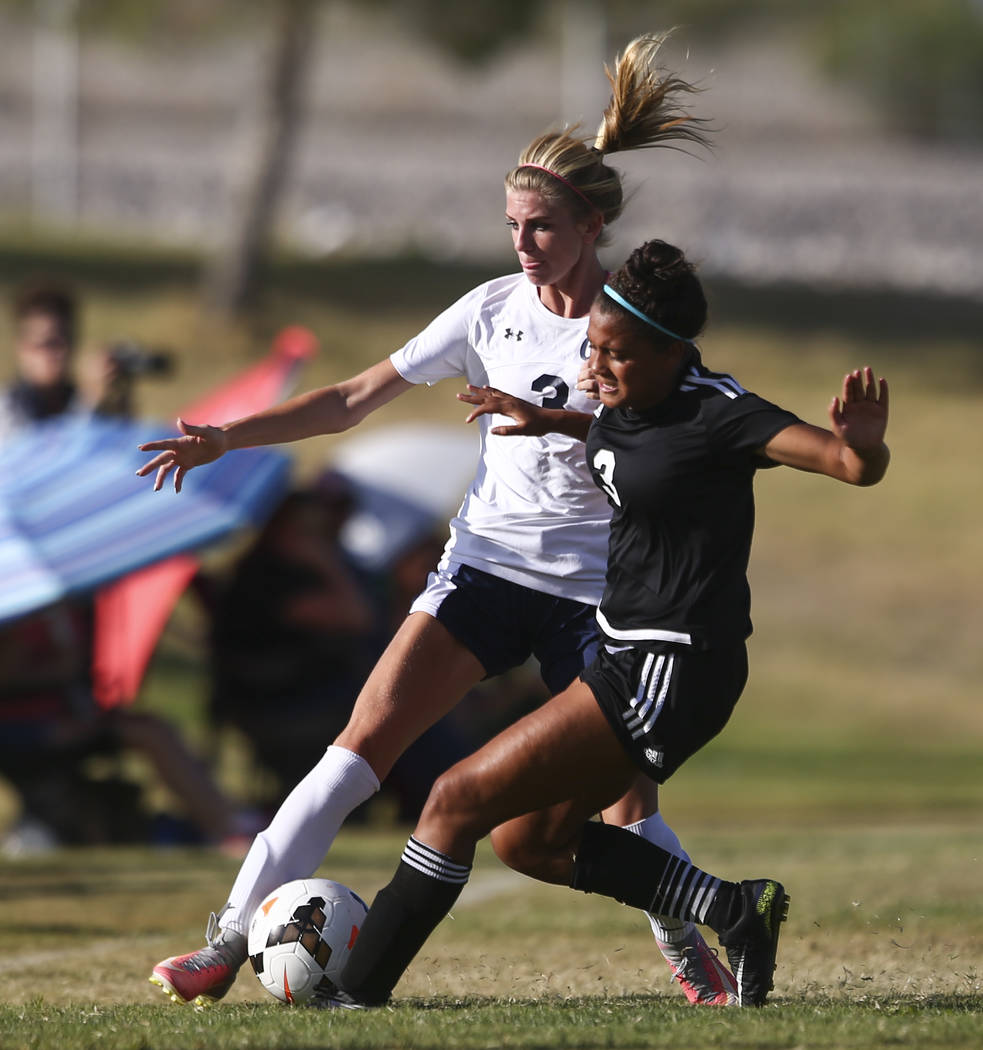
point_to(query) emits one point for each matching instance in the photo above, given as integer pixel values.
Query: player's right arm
(530, 420)
(328, 410)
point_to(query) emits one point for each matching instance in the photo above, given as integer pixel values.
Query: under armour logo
(509, 334)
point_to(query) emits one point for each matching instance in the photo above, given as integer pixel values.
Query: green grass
(881, 949)
(947, 1022)
(850, 768)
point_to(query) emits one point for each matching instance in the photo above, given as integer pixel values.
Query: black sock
(402, 917)
(624, 866)
(726, 908)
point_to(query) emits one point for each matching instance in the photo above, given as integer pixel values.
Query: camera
(133, 359)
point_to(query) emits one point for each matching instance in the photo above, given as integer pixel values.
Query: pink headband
(566, 182)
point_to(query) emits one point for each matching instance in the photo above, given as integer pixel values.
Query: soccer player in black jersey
(675, 446)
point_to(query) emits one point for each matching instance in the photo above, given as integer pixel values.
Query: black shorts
(664, 706)
(504, 623)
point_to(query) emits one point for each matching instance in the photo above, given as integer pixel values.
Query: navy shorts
(504, 623)
(664, 706)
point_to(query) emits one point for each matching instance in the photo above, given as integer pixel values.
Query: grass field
(881, 949)
(851, 769)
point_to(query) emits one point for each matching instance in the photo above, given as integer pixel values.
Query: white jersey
(532, 514)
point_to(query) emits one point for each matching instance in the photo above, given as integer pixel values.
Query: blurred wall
(401, 148)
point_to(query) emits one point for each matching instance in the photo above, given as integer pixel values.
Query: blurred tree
(705, 18)
(257, 179)
(470, 32)
(55, 117)
(921, 59)
(231, 276)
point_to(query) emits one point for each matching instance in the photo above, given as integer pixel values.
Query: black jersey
(679, 479)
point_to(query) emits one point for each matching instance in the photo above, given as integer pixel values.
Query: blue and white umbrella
(74, 515)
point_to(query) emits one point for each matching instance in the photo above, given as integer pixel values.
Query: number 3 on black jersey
(604, 465)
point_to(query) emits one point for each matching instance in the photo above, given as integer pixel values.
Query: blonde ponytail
(645, 111)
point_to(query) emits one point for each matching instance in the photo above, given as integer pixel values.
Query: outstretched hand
(859, 415)
(489, 401)
(199, 445)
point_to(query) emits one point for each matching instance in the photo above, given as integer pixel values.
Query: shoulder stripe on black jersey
(726, 384)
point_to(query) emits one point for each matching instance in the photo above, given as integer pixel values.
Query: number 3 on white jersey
(604, 465)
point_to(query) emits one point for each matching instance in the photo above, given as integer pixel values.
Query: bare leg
(640, 801)
(562, 755)
(422, 675)
(541, 779)
(401, 699)
(520, 844)
(522, 770)
(186, 775)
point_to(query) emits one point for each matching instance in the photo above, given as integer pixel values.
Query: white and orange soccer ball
(301, 936)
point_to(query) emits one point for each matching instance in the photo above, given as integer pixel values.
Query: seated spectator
(52, 728)
(297, 628)
(293, 635)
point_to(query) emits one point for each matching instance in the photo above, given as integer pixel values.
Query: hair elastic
(622, 301)
(566, 182)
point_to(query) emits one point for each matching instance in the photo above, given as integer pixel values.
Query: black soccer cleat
(335, 999)
(752, 942)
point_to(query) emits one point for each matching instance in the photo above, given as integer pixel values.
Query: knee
(454, 805)
(526, 849)
(512, 848)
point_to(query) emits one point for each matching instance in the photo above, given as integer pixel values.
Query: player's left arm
(530, 420)
(853, 450)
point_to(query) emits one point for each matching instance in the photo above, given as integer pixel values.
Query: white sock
(301, 831)
(655, 829)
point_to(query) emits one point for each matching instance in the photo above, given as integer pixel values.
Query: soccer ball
(301, 936)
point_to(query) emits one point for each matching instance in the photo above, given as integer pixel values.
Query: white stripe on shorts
(654, 686)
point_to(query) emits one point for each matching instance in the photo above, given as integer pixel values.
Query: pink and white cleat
(702, 976)
(204, 976)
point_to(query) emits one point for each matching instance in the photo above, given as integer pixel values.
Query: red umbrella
(131, 613)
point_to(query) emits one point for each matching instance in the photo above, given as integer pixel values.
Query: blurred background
(207, 176)
(848, 152)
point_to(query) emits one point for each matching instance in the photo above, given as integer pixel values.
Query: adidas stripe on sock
(653, 828)
(618, 864)
(403, 915)
(431, 862)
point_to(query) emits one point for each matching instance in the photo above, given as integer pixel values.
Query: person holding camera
(50, 723)
(45, 317)
(47, 383)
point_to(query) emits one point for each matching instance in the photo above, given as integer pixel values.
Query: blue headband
(622, 301)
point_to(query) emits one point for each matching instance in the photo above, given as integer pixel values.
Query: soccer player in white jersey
(523, 569)
(675, 447)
